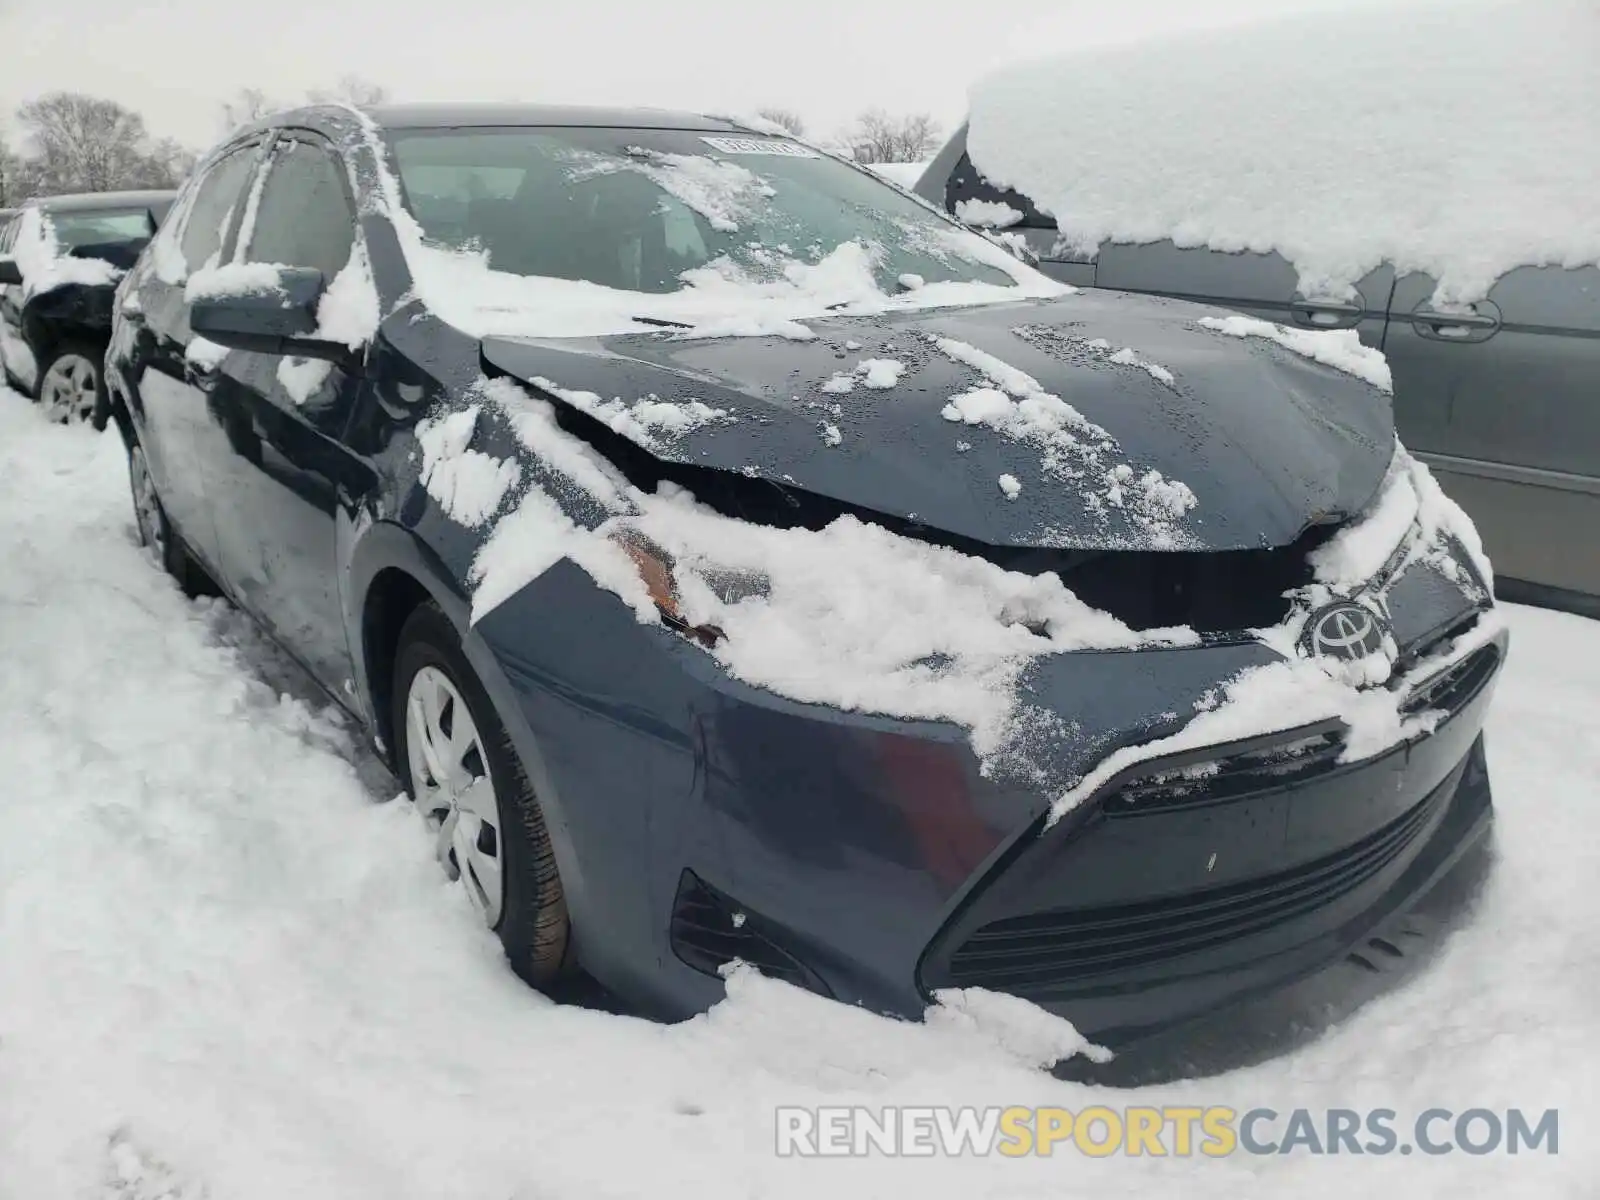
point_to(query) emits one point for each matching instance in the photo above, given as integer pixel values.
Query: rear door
(1503, 401)
(160, 359)
(276, 465)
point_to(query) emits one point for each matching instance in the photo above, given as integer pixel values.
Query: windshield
(100, 227)
(636, 209)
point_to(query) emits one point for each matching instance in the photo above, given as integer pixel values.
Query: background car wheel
(71, 383)
(460, 770)
(155, 531)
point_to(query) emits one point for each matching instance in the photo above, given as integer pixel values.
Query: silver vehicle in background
(1502, 401)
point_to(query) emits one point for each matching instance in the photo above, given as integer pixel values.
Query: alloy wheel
(146, 505)
(451, 783)
(70, 388)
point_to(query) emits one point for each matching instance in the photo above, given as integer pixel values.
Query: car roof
(452, 116)
(86, 201)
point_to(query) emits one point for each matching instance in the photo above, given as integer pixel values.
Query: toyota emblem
(1344, 630)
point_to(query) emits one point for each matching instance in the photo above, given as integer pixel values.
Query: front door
(278, 463)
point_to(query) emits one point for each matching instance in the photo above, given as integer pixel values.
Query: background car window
(304, 219)
(208, 215)
(966, 183)
(100, 227)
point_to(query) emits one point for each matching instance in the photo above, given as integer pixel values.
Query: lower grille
(1054, 951)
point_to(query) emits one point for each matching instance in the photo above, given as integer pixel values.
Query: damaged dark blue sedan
(741, 562)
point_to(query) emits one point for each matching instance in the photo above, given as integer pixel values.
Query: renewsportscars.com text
(1150, 1131)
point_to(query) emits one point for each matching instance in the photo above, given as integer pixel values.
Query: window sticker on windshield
(737, 145)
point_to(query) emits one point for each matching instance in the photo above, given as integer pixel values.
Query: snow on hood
(1124, 425)
(44, 264)
(1457, 139)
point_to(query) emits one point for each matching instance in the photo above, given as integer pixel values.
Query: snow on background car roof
(1454, 138)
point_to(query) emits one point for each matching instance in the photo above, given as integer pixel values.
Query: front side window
(205, 224)
(637, 209)
(303, 218)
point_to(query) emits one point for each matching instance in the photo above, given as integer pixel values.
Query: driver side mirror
(10, 273)
(268, 310)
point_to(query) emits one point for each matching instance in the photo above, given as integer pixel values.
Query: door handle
(204, 378)
(1475, 325)
(1326, 314)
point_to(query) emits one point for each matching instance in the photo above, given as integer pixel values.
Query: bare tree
(248, 105)
(83, 143)
(10, 174)
(784, 118)
(351, 89)
(878, 137)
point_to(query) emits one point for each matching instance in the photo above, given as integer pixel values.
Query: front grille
(1452, 688)
(1210, 591)
(1059, 951)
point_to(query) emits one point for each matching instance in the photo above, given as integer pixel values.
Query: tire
(530, 912)
(155, 530)
(72, 384)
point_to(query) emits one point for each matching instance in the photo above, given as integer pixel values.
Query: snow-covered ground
(230, 968)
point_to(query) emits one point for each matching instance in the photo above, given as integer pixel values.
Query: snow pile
(1128, 357)
(1073, 447)
(959, 629)
(468, 484)
(989, 214)
(43, 263)
(1452, 138)
(1010, 486)
(234, 279)
(1341, 349)
(878, 373)
(648, 422)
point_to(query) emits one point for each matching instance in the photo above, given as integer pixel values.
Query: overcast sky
(175, 61)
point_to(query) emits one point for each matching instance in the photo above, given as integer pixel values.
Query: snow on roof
(1453, 138)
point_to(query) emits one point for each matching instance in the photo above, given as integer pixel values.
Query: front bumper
(1130, 917)
(697, 820)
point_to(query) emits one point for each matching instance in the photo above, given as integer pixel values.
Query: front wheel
(150, 518)
(71, 384)
(462, 773)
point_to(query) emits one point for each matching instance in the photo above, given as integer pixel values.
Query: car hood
(1267, 442)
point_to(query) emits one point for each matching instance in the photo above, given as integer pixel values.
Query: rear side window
(965, 183)
(304, 218)
(207, 220)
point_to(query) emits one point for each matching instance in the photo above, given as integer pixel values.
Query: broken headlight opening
(660, 570)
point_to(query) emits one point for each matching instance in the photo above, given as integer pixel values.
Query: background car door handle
(1326, 314)
(1474, 326)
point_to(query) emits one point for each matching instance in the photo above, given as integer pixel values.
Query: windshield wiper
(660, 322)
